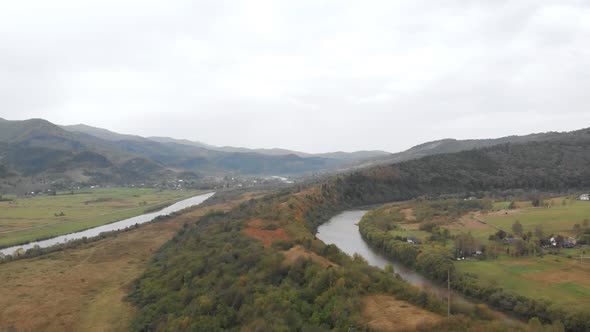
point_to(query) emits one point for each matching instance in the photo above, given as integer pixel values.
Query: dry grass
(467, 222)
(408, 214)
(385, 313)
(267, 236)
(83, 289)
(298, 251)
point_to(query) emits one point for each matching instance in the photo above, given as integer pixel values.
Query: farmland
(529, 277)
(558, 279)
(88, 284)
(561, 276)
(559, 218)
(32, 218)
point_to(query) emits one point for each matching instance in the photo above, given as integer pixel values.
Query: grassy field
(88, 285)
(559, 279)
(29, 219)
(558, 218)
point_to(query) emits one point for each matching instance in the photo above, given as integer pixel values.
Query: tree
(577, 229)
(536, 201)
(517, 228)
(501, 234)
(539, 232)
(389, 268)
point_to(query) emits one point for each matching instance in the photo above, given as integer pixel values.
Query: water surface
(92, 232)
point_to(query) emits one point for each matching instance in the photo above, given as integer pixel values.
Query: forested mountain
(450, 145)
(84, 154)
(559, 163)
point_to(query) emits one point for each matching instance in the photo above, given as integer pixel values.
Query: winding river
(342, 230)
(92, 232)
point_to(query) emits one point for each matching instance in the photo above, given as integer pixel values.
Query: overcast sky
(308, 75)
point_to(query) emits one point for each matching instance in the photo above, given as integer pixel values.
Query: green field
(556, 219)
(559, 279)
(28, 219)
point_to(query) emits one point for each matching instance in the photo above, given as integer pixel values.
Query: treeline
(435, 262)
(552, 166)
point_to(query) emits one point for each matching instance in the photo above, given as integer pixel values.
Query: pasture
(28, 219)
(558, 219)
(562, 280)
(88, 284)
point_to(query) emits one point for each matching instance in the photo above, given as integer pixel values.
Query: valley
(38, 217)
(250, 256)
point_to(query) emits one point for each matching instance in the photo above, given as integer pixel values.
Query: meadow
(560, 277)
(27, 219)
(561, 280)
(559, 218)
(89, 284)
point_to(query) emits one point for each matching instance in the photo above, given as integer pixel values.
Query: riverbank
(96, 231)
(84, 289)
(381, 230)
(25, 220)
(342, 230)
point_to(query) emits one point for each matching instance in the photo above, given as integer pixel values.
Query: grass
(28, 219)
(561, 280)
(558, 278)
(557, 219)
(420, 235)
(88, 284)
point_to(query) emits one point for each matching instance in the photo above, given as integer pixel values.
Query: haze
(307, 75)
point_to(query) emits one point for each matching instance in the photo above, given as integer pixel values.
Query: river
(92, 232)
(342, 230)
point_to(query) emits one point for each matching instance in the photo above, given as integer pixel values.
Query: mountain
(41, 152)
(342, 156)
(553, 162)
(101, 133)
(450, 145)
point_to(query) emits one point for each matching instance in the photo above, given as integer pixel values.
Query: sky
(308, 75)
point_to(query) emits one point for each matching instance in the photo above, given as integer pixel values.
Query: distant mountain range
(81, 154)
(38, 149)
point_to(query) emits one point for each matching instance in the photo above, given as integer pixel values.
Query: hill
(221, 272)
(36, 154)
(559, 163)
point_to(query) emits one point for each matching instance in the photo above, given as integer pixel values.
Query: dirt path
(83, 289)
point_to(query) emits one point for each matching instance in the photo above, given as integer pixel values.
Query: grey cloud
(306, 75)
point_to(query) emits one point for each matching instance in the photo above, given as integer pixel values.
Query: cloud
(307, 75)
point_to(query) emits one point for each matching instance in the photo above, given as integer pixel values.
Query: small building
(413, 240)
(584, 197)
(570, 242)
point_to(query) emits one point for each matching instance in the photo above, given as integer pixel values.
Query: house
(570, 242)
(584, 197)
(511, 240)
(413, 240)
